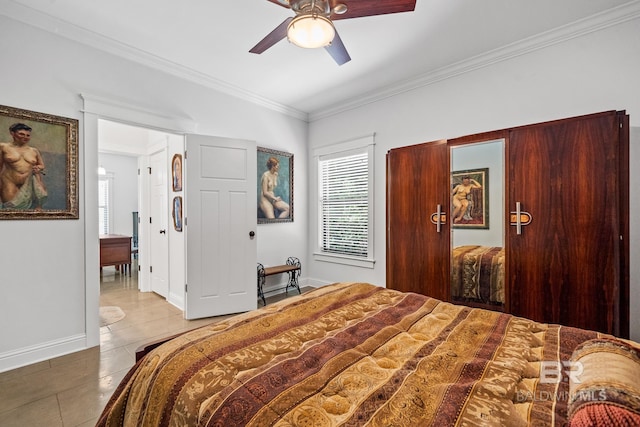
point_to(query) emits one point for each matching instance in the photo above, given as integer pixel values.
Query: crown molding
(67, 30)
(131, 112)
(612, 17)
(615, 16)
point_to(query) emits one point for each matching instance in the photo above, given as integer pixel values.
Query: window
(345, 202)
(104, 203)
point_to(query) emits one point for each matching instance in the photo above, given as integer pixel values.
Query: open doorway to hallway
(124, 187)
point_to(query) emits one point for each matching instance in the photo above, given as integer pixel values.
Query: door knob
(163, 231)
(252, 233)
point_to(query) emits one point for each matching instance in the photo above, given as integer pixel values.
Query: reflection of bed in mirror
(477, 275)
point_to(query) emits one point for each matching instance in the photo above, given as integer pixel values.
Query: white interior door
(220, 224)
(159, 246)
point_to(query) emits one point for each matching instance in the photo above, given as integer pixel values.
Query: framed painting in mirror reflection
(470, 198)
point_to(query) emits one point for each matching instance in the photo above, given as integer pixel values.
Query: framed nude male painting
(38, 165)
(275, 186)
(470, 198)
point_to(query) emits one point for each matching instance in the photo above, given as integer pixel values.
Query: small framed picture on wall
(176, 172)
(177, 213)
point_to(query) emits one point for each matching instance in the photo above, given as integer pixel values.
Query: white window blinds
(104, 201)
(345, 204)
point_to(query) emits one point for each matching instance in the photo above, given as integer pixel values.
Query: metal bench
(292, 267)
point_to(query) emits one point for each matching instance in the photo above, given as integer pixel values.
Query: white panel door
(159, 242)
(220, 224)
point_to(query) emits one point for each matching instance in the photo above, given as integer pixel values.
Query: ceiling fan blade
(283, 3)
(360, 8)
(337, 50)
(273, 37)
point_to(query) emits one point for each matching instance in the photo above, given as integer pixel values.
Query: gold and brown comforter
(477, 274)
(353, 355)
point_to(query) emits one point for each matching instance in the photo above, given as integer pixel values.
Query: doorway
(124, 159)
(100, 112)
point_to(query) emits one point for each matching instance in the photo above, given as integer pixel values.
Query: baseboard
(176, 300)
(38, 353)
(275, 290)
(316, 283)
(281, 287)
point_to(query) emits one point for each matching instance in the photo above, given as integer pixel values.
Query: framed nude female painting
(38, 165)
(470, 198)
(275, 186)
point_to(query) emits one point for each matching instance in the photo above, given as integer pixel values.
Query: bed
(355, 354)
(477, 275)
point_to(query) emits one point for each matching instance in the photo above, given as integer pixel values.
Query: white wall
(634, 231)
(177, 261)
(46, 285)
(596, 72)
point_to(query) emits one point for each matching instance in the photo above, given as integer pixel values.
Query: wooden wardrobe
(570, 264)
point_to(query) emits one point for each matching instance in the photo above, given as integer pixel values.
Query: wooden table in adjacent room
(115, 249)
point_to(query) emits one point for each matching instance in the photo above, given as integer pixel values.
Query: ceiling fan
(312, 25)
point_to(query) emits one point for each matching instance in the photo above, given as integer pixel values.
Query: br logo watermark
(552, 372)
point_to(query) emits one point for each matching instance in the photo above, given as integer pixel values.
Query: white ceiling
(208, 41)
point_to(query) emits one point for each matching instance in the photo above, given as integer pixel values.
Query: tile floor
(71, 390)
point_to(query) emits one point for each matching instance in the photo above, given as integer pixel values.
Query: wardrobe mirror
(477, 223)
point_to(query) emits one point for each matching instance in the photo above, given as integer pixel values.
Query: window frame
(109, 178)
(365, 144)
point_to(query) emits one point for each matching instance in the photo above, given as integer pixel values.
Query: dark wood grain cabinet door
(418, 249)
(564, 267)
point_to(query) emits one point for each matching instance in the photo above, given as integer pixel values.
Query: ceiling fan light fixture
(311, 31)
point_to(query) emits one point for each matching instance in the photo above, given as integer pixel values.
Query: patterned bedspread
(477, 274)
(354, 354)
